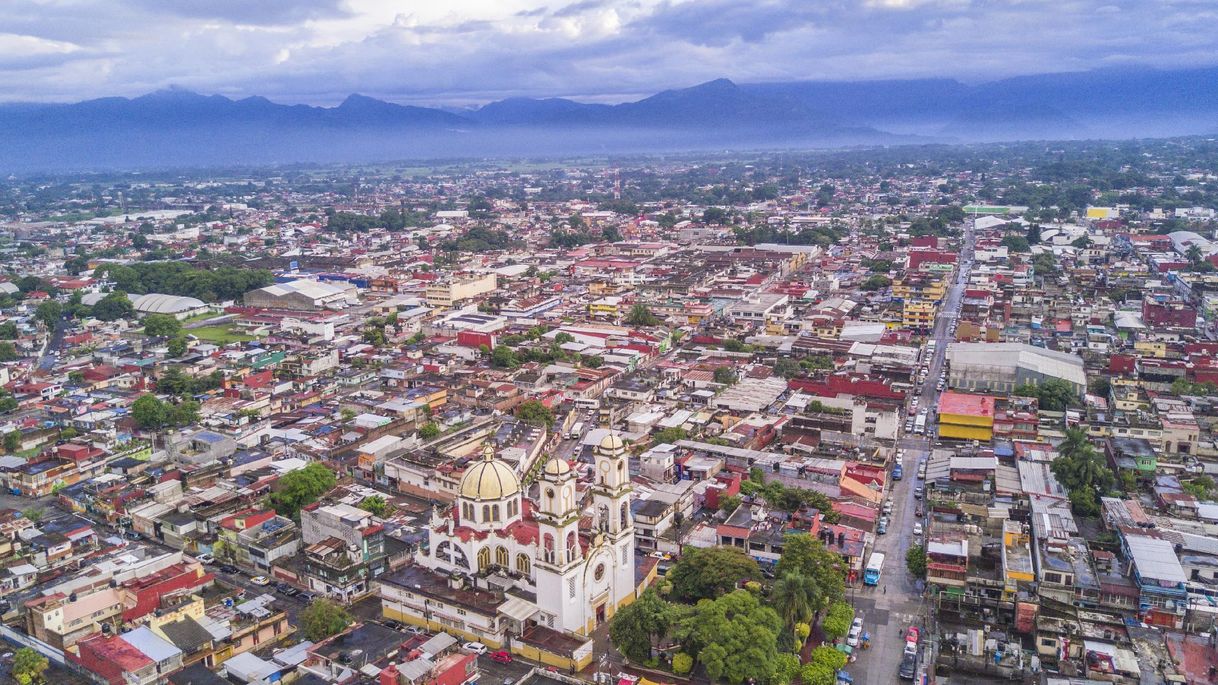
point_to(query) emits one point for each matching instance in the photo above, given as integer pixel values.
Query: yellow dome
(489, 479)
(557, 467)
(611, 442)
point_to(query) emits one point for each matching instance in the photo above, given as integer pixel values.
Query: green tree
(710, 572)
(375, 505)
(725, 375)
(729, 503)
(669, 435)
(29, 667)
(429, 431)
(8, 352)
(113, 307)
(161, 325)
(534, 412)
(563, 338)
(177, 347)
(322, 619)
(787, 368)
(8, 330)
(735, 637)
(49, 312)
(12, 441)
(1016, 243)
(149, 412)
(503, 357)
(805, 555)
(786, 669)
(1044, 264)
(915, 561)
(822, 666)
(796, 598)
(876, 282)
(183, 413)
(636, 628)
(837, 621)
(682, 663)
(301, 487)
(1082, 470)
(593, 361)
(640, 315)
(1053, 394)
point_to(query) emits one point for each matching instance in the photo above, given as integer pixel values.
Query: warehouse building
(1002, 367)
(304, 295)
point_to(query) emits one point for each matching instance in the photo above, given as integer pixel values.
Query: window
(571, 588)
(501, 557)
(599, 573)
(625, 556)
(484, 558)
(523, 564)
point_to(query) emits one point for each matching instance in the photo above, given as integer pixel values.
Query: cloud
(467, 51)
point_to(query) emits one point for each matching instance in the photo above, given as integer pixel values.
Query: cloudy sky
(472, 51)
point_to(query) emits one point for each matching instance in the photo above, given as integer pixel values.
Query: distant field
(220, 335)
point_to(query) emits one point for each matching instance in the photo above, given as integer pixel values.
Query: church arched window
(501, 557)
(625, 514)
(444, 551)
(486, 513)
(572, 546)
(494, 512)
(484, 558)
(547, 546)
(522, 564)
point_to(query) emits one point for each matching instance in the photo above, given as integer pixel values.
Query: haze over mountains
(178, 128)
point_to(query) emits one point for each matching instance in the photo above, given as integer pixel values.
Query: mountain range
(179, 128)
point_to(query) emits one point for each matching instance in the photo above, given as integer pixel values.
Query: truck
(920, 424)
(577, 429)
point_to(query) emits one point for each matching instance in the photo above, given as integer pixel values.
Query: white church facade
(500, 567)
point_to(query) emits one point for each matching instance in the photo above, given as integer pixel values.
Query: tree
(161, 325)
(876, 282)
(796, 598)
(299, 488)
(710, 572)
(735, 637)
(787, 368)
(729, 503)
(805, 555)
(682, 663)
(177, 347)
(837, 621)
(1081, 469)
(1053, 394)
(669, 435)
(12, 441)
(563, 338)
(429, 431)
(183, 413)
(149, 412)
(8, 330)
(1016, 243)
(375, 505)
(786, 669)
(49, 312)
(503, 357)
(1044, 264)
(725, 375)
(823, 665)
(1193, 254)
(636, 628)
(536, 413)
(640, 315)
(593, 361)
(29, 667)
(113, 307)
(323, 618)
(915, 561)
(1033, 235)
(8, 352)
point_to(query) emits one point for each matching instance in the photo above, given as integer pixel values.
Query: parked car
(228, 568)
(852, 638)
(913, 634)
(908, 667)
(206, 559)
(501, 657)
(475, 647)
(918, 492)
(306, 597)
(260, 580)
(917, 529)
(881, 529)
(393, 625)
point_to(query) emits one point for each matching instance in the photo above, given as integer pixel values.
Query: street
(889, 608)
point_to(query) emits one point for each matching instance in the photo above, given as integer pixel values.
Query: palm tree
(1076, 439)
(796, 598)
(1193, 254)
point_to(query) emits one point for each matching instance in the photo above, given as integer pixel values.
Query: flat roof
(966, 405)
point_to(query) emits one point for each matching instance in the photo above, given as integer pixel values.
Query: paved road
(890, 608)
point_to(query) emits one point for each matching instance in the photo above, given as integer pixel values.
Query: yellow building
(966, 417)
(918, 315)
(446, 294)
(605, 308)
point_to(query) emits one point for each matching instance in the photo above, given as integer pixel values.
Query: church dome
(557, 467)
(489, 479)
(610, 443)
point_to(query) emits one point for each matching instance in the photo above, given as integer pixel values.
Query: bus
(871, 574)
(920, 424)
(577, 430)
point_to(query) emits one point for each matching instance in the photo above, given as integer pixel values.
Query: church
(500, 566)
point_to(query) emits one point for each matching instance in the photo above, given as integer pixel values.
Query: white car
(911, 648)
(475, 647)
(853, 638)
(917, 529)
(260, 580)
(858, 623)
(206, 558)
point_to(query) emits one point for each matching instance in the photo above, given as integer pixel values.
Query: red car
(912, 635)
(501, 657)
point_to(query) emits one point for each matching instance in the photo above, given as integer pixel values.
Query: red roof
(966, 405)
